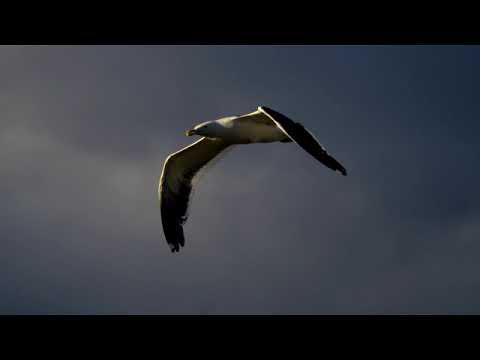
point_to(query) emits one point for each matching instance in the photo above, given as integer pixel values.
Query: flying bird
(264, 125)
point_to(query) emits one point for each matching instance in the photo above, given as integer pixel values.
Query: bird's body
(262, 126)
(246, 129)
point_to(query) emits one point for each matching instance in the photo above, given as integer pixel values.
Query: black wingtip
(175, 246)
(341, 170)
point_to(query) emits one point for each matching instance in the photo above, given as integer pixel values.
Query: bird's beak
(190, 132)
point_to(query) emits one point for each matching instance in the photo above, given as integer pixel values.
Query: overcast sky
(84, 131)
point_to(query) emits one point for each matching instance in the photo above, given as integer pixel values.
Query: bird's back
(252, 128)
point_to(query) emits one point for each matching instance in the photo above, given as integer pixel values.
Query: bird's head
(208, 129)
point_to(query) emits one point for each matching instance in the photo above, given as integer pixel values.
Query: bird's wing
(304, 138)
(256, 117)
(175, 185)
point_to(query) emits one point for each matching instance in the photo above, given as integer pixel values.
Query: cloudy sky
(84, 131)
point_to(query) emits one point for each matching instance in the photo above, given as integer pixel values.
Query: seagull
(264, 125)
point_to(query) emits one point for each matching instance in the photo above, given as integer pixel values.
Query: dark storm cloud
(84, 132)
